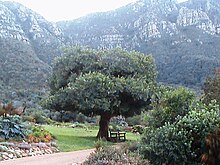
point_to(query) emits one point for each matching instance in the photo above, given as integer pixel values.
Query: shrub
(182, 141)
(112, 156)
(39, 117)
(212, 154)
(138, 128)
(100, 144)
(36, 115)
(166, 145)
(28, 118)
(135, 120)
(200, 121)
(132, 147)
(12, 127)
(211, 87)
(39, 134)
(170, 104)
(81, 118)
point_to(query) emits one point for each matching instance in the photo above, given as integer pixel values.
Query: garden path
(63, 158)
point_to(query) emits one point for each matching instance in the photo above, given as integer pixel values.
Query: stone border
(13, 150)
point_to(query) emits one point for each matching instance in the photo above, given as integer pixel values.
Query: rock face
(183, 37)
(28, 44)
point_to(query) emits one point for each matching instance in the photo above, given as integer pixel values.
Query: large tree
(106, 83)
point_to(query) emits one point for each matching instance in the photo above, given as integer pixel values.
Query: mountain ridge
(166, 29)
(29, 44)
(183, 38)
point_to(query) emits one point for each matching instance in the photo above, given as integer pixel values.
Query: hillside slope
(28, 44)
(182, 37)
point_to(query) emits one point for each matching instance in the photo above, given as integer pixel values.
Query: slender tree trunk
(103, 126)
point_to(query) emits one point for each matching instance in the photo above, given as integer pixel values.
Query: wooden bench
(117, 136)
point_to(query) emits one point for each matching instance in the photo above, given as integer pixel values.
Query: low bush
(166, 145)
(131, 147)
(182, 141)
(212, 147)
(112, 156)
(138, 129)
(12, 127)
(81, 118)
(39, 117)
(100, 144)
(135, 120)
(170, 104)
(39, 134)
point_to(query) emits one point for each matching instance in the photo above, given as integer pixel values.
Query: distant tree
(212, 88)
(105, 83)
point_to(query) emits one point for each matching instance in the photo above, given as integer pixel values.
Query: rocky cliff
(183, 37)
(28, 44)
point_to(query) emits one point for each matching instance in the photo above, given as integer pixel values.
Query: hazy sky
(56, 10)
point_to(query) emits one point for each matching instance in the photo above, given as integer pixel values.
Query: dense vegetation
(177, 126)
(212, 88)
(105, 83)
(114, 82)
(182, 139)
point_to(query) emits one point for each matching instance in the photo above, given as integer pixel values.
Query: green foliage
(12, 127)
(134, 120)
(81, 118)
(100, 144)
(98, 81)
(39, 134)
(106, 83)
(212, 88)
(23, 74)
(200, 121)
(167, 144)
(169, 104)
(184, 140)
(39, 117)
(36, 115)
(112, 156)
(212, 153)
(138, 128)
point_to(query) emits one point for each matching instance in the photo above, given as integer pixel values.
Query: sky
(57, 10)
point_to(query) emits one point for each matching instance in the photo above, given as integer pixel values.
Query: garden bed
(13, 150)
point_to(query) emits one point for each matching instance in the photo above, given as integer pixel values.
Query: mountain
(183, 38)
(28, 44)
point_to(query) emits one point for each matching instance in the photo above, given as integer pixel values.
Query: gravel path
(63, 158)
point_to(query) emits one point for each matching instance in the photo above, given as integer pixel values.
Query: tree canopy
(106, 83)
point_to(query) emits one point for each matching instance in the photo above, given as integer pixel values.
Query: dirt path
(63, 158)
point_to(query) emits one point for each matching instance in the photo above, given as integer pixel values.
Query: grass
(73, 139)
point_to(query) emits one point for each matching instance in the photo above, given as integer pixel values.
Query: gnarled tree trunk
(103, 126)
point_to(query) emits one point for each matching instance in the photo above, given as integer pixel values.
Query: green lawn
(72, 139)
